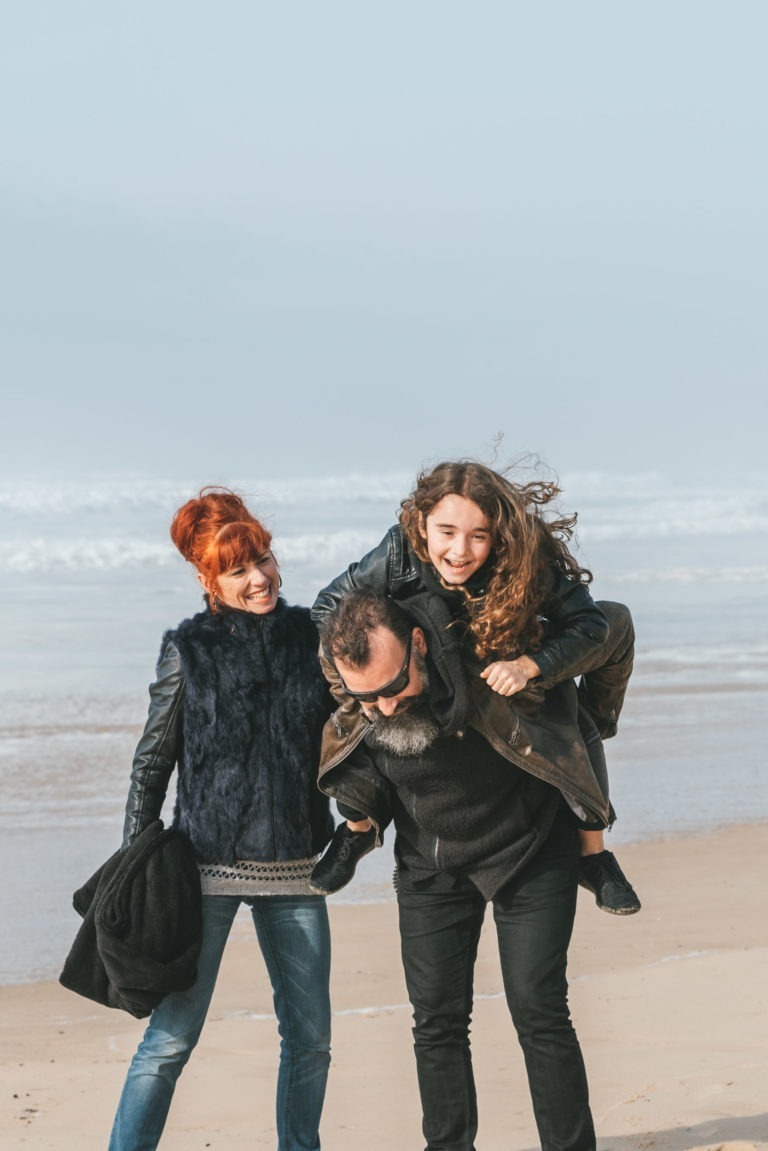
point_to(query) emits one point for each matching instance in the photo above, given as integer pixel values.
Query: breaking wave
(40, 498)
(116, 523)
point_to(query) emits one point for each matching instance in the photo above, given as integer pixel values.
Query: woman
(238, 708)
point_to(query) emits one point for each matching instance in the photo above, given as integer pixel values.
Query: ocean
(89, 581)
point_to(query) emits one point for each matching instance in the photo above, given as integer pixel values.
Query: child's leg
(600, 873)
(599, 870)
(351, 841)
(591, 842)
(604, 680)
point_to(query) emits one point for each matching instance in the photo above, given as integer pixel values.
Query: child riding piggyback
(483, 568)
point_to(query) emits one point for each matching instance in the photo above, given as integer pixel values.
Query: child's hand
(507, 677)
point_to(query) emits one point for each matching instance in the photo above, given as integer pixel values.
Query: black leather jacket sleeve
(371, 573)
(159, 748)
(575, 628)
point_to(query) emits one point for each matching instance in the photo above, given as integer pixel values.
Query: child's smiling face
(458, 538)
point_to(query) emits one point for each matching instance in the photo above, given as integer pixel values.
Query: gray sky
(301, 238)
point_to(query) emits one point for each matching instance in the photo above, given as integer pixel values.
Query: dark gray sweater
(460, 807)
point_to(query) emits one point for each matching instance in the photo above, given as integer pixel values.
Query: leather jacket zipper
(413, 808)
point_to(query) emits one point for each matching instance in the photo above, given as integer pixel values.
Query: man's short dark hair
(345, 633)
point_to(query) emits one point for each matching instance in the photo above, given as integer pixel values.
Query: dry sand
(670, 1006)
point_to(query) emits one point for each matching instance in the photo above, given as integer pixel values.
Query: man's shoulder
(343, 731)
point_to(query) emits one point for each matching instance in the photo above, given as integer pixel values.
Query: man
(483, 814)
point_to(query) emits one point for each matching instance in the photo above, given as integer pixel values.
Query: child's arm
(371, 573)
(576, 628)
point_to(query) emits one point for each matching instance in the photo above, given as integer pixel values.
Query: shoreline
(670, 1007)
(666, 769)
(373, 877)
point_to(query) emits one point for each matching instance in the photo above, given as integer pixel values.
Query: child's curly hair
(526, 548)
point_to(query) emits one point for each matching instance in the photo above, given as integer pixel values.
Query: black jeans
(440, 930)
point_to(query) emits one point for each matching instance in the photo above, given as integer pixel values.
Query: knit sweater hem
(248, 877)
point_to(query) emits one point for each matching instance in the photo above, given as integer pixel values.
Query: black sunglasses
(394, 687)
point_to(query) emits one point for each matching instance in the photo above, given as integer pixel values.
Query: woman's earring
(279, 580)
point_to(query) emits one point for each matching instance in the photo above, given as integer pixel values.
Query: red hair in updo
(216, 533)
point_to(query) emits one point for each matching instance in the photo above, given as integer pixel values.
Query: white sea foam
(38, 497)
(342, 547)
(122, 521)
(757, 573)
(649, 507)
(41, 555)
(105, 554)
(53, 498)
(82, 554)
(112, 523)
(592, 485)
(693, 514)
(650, 491)
(354, 488)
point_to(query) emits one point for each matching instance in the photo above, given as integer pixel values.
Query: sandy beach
(671, 1007)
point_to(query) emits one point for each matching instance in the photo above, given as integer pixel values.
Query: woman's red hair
(216, 533)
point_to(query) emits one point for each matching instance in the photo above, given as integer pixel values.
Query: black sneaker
(342, 856)
(613, 892)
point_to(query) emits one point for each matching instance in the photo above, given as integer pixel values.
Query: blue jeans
(440, 930)
(294, 937)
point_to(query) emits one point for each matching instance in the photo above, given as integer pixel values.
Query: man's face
(387, 661)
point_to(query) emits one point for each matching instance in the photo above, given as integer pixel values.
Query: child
(480, 543)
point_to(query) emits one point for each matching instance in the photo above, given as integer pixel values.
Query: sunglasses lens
(394, 687)
(387, 692)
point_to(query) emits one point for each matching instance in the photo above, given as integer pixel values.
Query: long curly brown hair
(526, 548)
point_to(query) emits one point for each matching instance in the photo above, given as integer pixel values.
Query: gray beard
(407, 733)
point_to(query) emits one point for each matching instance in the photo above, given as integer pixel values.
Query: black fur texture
(254, 709)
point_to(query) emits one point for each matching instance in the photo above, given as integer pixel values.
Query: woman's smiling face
(458, 538)
(252, 586)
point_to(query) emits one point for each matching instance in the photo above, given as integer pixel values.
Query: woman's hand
(507, 677)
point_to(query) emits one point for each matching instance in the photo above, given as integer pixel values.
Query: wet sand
(671, 1007)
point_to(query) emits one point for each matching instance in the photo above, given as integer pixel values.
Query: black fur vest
(254, 708)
